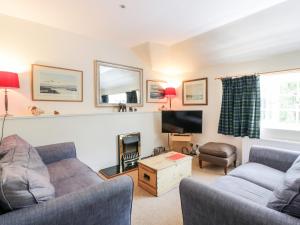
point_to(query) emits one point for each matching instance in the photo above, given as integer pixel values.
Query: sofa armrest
(204, 205)
(56, 152)
(280, 159)
(107, 203)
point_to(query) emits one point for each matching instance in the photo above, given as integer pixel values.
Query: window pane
(280, 100)
(266, 116)
(288, 88)
(287, 117)
(288, 102)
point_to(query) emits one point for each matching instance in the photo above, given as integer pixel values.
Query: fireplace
(129, 150)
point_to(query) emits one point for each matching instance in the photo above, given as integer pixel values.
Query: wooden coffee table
(160, 174)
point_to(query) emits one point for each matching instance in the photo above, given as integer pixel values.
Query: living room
(167, 44)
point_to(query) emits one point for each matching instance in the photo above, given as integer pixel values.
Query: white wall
(95, 135)
(263, 42)
(23, 43)
(212, 111)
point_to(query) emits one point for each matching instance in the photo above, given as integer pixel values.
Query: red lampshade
(9, 80)
(170, 92)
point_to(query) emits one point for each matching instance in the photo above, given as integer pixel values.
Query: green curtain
(240, 112)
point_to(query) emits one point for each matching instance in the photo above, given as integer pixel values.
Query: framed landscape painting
(194, 92)
(156, 91)
(56, 84)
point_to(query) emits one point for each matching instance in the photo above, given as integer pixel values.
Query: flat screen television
(188, 121)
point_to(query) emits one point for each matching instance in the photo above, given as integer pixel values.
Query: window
(117, 98)
(280, 100)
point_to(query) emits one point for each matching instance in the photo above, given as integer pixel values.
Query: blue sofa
(81, 196)
(241, 197)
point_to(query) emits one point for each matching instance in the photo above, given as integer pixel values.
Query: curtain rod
(257, 74)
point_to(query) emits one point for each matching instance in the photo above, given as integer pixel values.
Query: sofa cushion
(259, 174)
(244, 189)
(218, 149)
(76, 183)
(66, 168)
(286, 197)
(70, 175)
(24, 178)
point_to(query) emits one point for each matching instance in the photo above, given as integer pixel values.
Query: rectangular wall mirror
(117, 84)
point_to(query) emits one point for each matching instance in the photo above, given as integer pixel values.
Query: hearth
(129, 149)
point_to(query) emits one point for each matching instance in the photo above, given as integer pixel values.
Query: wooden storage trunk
(159, 174)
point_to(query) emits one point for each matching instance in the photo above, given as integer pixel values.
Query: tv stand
(181, 137)
(185, 135)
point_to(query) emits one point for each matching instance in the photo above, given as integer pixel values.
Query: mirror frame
(97, 81)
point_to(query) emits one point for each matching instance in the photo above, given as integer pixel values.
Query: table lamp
(170, 93)
(8, 80)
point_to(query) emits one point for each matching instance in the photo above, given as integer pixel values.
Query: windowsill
(280, 140)
(280, 134)
(282, 128)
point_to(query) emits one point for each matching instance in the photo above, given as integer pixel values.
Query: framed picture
(156, 91)
(56, 84)
(194, 92)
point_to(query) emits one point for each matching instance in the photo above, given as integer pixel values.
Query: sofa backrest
(280, 159)
(56, 152)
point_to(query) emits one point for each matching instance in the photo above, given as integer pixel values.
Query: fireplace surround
(128, 154)
(129, 150)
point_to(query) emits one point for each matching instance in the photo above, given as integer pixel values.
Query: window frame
(271, 104)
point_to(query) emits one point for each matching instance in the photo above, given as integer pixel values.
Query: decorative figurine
(191, 149)
(122, 107)
(35, 110)
(159, 150)
(162, 108)
(56, 112)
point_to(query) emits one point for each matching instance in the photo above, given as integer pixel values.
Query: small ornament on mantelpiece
(56, 112)
(35, 110)
(162, 108)
(122, 107)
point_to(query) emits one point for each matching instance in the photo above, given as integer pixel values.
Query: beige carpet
(166, 209)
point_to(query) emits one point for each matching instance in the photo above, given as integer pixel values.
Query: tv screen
(189, 121)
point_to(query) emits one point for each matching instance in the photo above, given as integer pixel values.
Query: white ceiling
(162, 21)
(273, 31)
